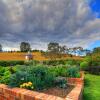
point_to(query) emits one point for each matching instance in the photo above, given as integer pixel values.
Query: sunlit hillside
(36, 56)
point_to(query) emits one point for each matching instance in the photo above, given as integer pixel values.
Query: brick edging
(77, 92)
(7, 93)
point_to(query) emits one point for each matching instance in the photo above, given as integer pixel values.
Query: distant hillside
(36, 55)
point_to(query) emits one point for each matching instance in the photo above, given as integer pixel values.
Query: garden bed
(60, 92)
(7, 93)
(46, 83)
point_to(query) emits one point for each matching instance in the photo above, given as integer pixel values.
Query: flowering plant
(27, 85)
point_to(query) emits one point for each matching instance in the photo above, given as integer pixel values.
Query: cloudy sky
(69, 22)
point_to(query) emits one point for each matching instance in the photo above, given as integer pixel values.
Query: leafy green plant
(73, 72)
(88, 59)
(18, 78)
(2, 70)
(40, 76)
(84, 65)
(5, 79)
(54, 62)
(59, 71)
(11, 69)
(60, 82)
(4, 75)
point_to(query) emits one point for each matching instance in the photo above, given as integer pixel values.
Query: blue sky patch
(95, 6)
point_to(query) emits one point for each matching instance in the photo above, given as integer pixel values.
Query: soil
(60, 92)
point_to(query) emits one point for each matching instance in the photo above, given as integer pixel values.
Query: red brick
(30, 94)
(41, 96)
(7, 93)
(2, 97)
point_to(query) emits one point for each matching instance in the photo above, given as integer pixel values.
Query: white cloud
(70, 22)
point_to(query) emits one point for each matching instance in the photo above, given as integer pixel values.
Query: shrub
(11, 63)
(5, 79)
(73, 72)
(18, 78)
(41, 78)
(2, 70)
(94, 70)
(73, 62)
(21, 68)
(70, 62)
(59, 71)
(4, 75)
(95, 63)
(61, 62)
(88, 59)
(54, 62)
(60, 82)
(32, 62)
(51, 62)
(84, 65)
(11, 69)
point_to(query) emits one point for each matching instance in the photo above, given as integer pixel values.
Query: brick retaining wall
(76, 93)
(7, 93)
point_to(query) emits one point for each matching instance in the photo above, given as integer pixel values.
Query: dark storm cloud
(42, 21)
(4, 26)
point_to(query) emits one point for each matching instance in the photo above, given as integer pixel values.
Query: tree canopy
(25, 47)
(0, 47)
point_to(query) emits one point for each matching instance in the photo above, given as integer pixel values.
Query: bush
(73, 72)
(59, 71)
(94, 70)
(4, 75)
(84, 65)
(73, 62)
(18, 78)
(61, 62)
(54, 62)
(60, 82)
(2, 70)
(70, 62)
(11, 63)
(5, 79)
(32, 62)
(41, 78)
(88, 59)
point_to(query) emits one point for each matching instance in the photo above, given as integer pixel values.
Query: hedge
(63, 62)
(11, 63)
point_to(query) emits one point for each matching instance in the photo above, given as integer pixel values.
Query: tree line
(56, 48)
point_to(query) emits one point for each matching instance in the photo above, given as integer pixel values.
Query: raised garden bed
(7, 93)
(60, 92)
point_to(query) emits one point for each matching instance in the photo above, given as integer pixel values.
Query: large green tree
(55, 50)
(25, 47)
(53, 47)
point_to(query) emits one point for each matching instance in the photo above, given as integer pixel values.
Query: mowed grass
(36, 56)
(92, 87)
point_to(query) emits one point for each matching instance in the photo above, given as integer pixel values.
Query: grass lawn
(92, 87)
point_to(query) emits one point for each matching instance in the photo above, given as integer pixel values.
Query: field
(36, 56)
(20, 56)
(92, 87)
